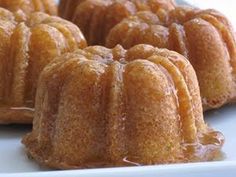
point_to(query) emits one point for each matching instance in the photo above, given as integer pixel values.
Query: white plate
(14, 162)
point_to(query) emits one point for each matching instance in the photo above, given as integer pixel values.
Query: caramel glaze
(205, 37)
(96, 17)
(29, 6)
(27, 46)
(113, 107)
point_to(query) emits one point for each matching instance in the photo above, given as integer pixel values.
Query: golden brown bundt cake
(96, 17)
(111, 107)
(205, 37)
(26, 47)
(29, 6)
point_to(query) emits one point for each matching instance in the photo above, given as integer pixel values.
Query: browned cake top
(96, 17)
(28, 44)
(113, 107)
(205, 37)
(29, 6)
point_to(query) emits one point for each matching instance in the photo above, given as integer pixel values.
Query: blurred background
(227, 7)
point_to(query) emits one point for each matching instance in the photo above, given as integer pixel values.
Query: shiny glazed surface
(205, 37)
(113, 107)
(29, 6)
(96, 17)
(28, 44)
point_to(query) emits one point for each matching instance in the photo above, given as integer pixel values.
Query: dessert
(27, 46)
(113, 107)
(29, 6)
(96, 17)
(205, 37)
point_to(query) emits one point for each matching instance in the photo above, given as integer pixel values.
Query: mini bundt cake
(111, 107)
(26, 47)
(29, 6)
(205, 37)
(96, 17)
